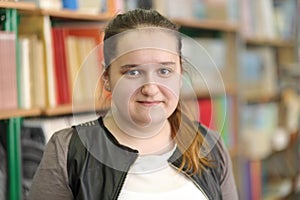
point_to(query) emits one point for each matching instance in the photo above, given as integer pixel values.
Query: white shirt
(151, 177)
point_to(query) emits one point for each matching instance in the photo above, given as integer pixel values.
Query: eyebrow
(129, 66)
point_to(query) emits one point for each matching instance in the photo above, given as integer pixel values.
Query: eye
(132, 73)
(165, 72)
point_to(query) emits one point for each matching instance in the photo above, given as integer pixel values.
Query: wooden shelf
(268, 42)
(5, 114)
(59, 110)
(203, 94)
(261, 98)
(18, 5)
(209, 24)
(68, 109)
(31, 8)
(69, 14)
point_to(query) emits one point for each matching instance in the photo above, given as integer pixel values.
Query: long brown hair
(188, 137)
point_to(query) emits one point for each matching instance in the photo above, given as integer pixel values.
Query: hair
(181, 125)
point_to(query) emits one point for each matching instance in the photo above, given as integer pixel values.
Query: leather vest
(97, 164)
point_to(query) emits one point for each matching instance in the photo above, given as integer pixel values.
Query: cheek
(123, 90)
(172, 87)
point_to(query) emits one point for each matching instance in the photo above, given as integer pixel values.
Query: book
(204, 64)
(258, 72)
(38, 72)
(60, 67)
(82, 45)
(46, 4)
(258, 123)
(206, 111)
(26, 79)
(8, 71)
(90, 6)
(217, 113)
(70, 4)
(40, 26)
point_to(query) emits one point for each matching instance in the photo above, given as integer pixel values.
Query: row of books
(271, 177)
(57, 64)
(204, 64)
(62, 64)
(189, 9)
(218, 114)
(87, 6)
(269, 18)
(258, 125)
(257, 72)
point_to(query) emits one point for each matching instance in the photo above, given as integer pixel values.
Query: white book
(25, 78)
(38, 70)
(74, 63)
(90, 6)
(49, 57)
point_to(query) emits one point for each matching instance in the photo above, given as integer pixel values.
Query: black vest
(97, 164)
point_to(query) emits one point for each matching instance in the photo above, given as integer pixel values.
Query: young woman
(145, 147)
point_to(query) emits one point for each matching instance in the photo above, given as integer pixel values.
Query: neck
(157, 143)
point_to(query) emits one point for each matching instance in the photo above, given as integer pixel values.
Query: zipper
(116, 196)
(189, 177)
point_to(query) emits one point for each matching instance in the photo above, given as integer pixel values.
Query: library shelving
(5, 114)
(12, 26)
(268, 137)
(18, 5)
(208, 24)
(244, 100)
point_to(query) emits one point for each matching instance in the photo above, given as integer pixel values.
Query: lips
(149, 103)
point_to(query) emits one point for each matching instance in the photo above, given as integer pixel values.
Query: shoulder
(217, 148)
(64, 135)
(213, 139)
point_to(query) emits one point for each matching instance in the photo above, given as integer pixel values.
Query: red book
(60, 66)
(256, 180)
(93, 32)
(206, 112)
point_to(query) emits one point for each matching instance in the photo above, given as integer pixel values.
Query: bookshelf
(5, 114)
(12, 116)
(235, 39)
(18, 5)
(268, 42)
(268, 46)
(69, 109)
(208, 24)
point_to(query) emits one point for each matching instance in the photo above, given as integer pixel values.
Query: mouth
(149, 103)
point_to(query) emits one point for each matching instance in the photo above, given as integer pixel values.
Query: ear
(105, 76)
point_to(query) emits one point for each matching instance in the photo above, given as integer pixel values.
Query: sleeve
(51, 179)
(228, 185)
(3, 173)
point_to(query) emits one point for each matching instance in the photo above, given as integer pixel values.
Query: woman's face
(145, 77)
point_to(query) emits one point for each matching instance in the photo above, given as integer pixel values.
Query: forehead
(145, 39)
(144, 56)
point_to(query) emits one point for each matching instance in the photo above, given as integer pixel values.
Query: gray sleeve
(228, 185)
(3, 173)
(51, 178)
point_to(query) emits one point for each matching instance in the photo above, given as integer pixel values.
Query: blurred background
(254, 45)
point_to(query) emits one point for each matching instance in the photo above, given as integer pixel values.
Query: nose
(150, 89)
